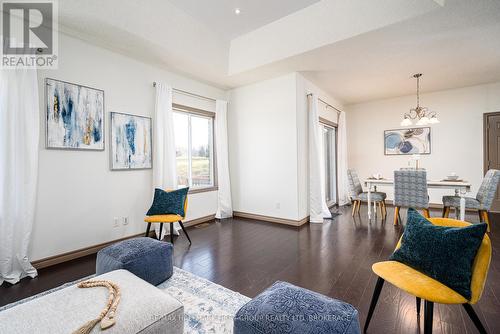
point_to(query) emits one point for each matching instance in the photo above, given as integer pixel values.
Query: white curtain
(224, 205)
(164, 169)
(19, 141)
(342, 182)
(318, 208)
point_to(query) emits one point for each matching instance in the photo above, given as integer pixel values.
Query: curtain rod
(183, 92)
(327, 104)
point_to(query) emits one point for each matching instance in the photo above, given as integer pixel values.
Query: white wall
(78, 195)
(263, 148)
(456, 143)
(268, 146)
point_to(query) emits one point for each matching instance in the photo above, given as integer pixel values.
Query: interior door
(492, 149)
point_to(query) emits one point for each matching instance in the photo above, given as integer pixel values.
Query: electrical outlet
(278, 205)
(116, 222)
(125, 220)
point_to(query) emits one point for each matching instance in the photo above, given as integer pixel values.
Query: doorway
(491, 134)
(329, 134)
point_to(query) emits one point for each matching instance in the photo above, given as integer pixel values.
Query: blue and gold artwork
(130, 142)
(407, 141)
(75, 116)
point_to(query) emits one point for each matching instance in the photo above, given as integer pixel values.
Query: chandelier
(422, 115)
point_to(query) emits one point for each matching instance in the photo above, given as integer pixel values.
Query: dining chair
(411, 168)
(358, 195)
(168, 219)
(483, 200)
(431, 291)
(410, 191)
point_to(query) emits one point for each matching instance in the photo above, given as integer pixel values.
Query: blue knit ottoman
(146, 258)
(286, 308)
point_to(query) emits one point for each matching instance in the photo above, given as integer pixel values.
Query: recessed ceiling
(454, 46)
(219, 15)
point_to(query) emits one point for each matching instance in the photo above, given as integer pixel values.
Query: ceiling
(357, 50)
(454, 46)
(219, 15)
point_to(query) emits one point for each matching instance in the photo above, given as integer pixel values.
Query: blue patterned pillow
(444, 253)
(168, 202)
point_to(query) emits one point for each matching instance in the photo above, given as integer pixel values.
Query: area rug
(208, 307)
(334, 215)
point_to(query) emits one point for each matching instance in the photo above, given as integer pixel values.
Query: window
(330, 160)
(194, 141)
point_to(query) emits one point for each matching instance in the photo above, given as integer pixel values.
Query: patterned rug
(208, 307)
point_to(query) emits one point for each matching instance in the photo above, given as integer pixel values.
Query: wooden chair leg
(446, 212)
(354, 207)
(427, 214)
(185, 232)
(396, 215)
(484, 217)
(419, 301)
(428, 316)
(172, 233)
(475, 319)
(373, 303)
(161, 228)
(147, 229)
(357, 206)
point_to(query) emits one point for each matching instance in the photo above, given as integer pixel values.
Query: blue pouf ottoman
(146, 258)
(286, 308)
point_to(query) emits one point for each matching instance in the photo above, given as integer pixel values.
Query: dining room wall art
(131, 138)
(407, 141)
(75, 116)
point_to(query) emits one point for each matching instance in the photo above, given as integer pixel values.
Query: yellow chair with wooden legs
(410, 191)
(431, 291)
(168, 219)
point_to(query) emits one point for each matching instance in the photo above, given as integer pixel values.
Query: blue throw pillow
(168, 202)
(444, 253)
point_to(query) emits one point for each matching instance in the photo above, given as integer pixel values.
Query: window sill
(203, 190)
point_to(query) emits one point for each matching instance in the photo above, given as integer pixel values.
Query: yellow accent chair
(168, 219)
(431, 291)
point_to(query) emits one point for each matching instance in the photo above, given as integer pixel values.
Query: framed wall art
(131, 142)
(75, 116)
(407, 141)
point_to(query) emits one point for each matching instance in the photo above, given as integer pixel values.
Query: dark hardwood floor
(333, 258)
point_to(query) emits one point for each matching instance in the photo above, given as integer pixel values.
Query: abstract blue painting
(130, 142)
(407, 141)
(75, 116)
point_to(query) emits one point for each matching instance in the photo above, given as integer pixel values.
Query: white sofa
(143, 309)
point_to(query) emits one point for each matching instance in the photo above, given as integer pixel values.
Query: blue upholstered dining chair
(358, 195)
(410, 191)
(483, 200)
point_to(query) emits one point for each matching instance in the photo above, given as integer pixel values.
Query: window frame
(179, 108)
(325, 123)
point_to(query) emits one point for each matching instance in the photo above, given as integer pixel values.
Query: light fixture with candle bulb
(422, 115)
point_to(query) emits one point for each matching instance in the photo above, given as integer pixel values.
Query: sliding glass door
(330, 161)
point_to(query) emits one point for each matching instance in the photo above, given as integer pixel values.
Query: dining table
(460, 187)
